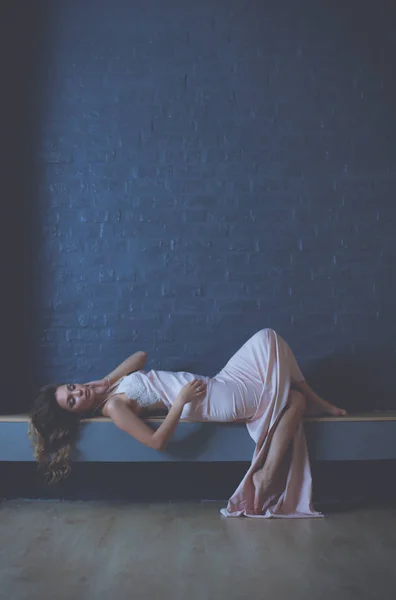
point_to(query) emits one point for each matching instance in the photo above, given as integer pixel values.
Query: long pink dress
(253, 387)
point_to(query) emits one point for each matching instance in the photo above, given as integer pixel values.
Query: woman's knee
(267, 332)
(297, 401)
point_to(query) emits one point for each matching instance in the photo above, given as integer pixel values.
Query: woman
(261, 385)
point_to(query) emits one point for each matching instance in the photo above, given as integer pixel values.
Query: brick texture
(208, 169)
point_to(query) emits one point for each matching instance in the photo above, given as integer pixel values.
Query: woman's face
(75, 397)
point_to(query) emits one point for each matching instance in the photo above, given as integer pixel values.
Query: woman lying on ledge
(261, 385)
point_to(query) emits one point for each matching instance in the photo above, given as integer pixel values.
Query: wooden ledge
(360, 436)
(388, 415)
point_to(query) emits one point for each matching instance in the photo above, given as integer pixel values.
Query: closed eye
(70, 400)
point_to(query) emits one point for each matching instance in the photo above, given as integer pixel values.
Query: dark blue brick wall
(209, 169)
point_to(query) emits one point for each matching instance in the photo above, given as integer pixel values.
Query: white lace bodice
(132, 386)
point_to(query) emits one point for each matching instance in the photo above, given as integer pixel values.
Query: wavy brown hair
(53, 432)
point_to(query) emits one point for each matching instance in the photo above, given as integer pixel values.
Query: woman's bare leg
(281, 438)
(313, 408)
(315, 404)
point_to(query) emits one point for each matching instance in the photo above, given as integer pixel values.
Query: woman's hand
(193, 390)
(100, 386)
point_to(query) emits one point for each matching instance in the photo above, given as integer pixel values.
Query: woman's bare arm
(135, 362)
(124, 417)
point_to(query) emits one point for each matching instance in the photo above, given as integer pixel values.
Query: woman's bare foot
(336, 412)
(262, 486)
(317, 405)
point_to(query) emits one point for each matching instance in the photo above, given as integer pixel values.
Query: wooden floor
(95, 550)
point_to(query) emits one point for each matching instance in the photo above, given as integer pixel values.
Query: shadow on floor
(336, 486)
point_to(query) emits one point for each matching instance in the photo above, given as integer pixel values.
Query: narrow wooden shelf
(358, 436)
(366, 416)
